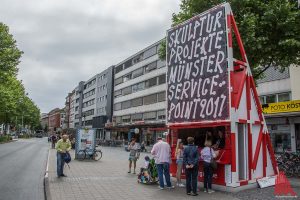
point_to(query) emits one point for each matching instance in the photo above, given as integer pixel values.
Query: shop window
(151, 82)
(127, 90)
(137, 117)
(137, 102)
(126, 104)
(119, 81)
(117, 106)
(126, 118)
(150, 116)
(137, 72)
(162, 79)
(150, 67)
(150, 99)
(161, 96)
(271, 99)
(161, 114)
(284, 97)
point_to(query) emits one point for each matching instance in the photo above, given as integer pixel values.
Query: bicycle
(95, 155)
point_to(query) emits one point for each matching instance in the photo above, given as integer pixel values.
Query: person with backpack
(191, 163)
(63, 146)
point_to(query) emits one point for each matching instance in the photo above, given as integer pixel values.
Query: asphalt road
(22, 169)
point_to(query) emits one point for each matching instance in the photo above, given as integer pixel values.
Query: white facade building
(280, 97)
(140, 96)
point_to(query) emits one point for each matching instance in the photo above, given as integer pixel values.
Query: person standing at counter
(220, 141)
(179, 162)
(207, 154)
(191, 163)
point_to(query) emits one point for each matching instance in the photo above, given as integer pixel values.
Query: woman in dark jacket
(191, 163)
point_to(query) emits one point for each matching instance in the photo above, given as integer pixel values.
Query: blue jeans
(163, 169)
(208, 175)
(60, 163)
(191, 179)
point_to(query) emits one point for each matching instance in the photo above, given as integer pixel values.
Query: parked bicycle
(89, 154)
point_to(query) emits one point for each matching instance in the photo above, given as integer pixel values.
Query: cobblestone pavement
(108, 179)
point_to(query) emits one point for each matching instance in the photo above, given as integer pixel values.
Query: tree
(270, 30)
(15, 106)
(9, 54)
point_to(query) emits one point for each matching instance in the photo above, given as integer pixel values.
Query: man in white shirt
(162, 154)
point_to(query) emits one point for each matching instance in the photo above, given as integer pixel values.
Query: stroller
(149, 174)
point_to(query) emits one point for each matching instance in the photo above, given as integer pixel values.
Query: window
(262, 100)
(88, 113)
(162, 79)
(77, 116)
(150, 52)
(161, 114)
(137, 117)
(137, 59)
(160, 64)
(283, 97)
(151, 82)
(271, 98)
(117, 106)
(118, 93)
(127, 77)
(126, 104)
(161, 96)
(76, 108)
(150, 99)
(150, 67)
(150, 116)
(118, 68)
(127, 90)
(126, 118)
(119, 81)
(118, 120)
(138, 87)
(77, 100)
(137, 72)
(137, 102)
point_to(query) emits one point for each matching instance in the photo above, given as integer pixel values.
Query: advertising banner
(281, 107)
(197, 77)
(85, 139)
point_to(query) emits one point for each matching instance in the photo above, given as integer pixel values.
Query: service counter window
(216, 135)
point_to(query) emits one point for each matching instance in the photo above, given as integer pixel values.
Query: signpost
(197, 69)
(85, 139)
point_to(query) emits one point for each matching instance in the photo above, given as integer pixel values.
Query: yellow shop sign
(287, 106)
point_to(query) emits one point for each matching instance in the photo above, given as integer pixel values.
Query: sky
(67, 41)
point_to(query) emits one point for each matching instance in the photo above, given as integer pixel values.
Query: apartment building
(280, 97)
(140, 96)
(93, 103)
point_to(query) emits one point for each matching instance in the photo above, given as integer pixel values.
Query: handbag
(213, 162)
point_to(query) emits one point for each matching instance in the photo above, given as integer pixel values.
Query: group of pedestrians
(186, 159)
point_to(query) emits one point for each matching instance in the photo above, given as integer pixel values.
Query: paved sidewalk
(108, 179)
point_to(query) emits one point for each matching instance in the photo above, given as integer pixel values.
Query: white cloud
(66, 41)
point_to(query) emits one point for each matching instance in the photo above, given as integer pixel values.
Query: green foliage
(14, 103)
(5, 138)
(270, 30)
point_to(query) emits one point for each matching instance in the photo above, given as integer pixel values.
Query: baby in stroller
(148, 173)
